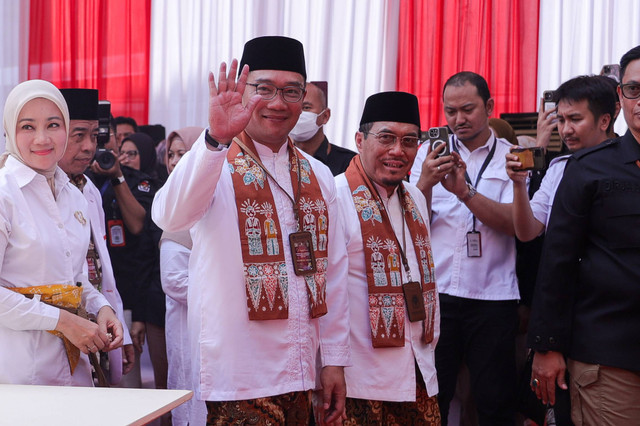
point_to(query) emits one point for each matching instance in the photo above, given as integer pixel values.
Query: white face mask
(306, 126)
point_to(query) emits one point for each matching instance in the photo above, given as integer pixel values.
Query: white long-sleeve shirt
(384, 374)
(542, 200)
(42, 241)
(493, 275)
(109, 290)
(235, 358)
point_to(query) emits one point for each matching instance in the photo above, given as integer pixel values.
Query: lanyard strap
(487, 160)
(401, 248)
(297, 193)
(484, 166)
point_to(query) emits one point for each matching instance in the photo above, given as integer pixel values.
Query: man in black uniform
(127, 195)
(587, 300)
(308, 133)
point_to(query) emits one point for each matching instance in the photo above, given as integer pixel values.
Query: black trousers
(481, 334)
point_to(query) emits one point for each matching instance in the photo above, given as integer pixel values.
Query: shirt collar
(25, 174)
(265, 150)
(487, 145)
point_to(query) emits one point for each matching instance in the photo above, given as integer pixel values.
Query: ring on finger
(438, 168)
(535, 383)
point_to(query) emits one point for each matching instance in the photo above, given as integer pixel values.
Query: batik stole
(265, 269)
(63, 296)
(384, 262)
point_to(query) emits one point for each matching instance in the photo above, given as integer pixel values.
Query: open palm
(227, 115)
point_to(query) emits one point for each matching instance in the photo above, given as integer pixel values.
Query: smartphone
(530, 158)
(612, 70)
(547, 96)
(437, 137)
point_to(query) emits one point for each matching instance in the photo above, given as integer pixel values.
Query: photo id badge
(304, 262)
(415, 303)
(115, 229)
(474, 244)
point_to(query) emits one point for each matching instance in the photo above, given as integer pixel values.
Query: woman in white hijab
(175, 249)
(44, 236)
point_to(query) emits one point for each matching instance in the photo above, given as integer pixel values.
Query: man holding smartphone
(587, 299)
(474, 252)
(585, 107)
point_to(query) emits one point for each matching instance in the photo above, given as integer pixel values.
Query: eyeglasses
(630, 90)
(389, 139)
(268, 91)
(130, 154)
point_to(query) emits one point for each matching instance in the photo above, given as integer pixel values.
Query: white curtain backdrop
(349, 43)
(13, 45)
(580, 36)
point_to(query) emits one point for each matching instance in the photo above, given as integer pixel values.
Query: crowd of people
(288, 280)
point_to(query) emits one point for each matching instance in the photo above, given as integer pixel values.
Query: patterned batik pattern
(424, 411)
(293, 408)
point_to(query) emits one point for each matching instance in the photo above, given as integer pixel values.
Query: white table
(22, 405)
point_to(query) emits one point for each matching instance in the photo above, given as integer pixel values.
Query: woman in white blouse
(175, 249)
(44, 236)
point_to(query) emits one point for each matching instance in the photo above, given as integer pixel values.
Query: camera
(104, 157)
(549, 102)
(437, 137)
(530, 158)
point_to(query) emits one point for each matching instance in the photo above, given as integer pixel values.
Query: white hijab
(17, 99)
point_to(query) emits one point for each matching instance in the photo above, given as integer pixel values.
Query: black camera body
(104, 157)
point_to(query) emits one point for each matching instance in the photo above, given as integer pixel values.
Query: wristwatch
(470, 194)
(117, 181)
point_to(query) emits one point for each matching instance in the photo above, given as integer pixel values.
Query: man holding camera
(587, 299)
(79, 154)
(127, 195)
(474, 252)
(586, 106)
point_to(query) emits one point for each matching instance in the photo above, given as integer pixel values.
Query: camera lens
(105, 158)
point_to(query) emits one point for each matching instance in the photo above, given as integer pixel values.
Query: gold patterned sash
(63, 296)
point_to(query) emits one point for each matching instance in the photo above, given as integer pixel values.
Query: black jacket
(587, 298)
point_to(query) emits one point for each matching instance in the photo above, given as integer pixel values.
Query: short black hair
(476, 80)
(599, 93)
(126, 120)
(630, 56)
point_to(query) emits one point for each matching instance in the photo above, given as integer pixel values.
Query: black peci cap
(400, 107)
(274, 53)
(82, 103)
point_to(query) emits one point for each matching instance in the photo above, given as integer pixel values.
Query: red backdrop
(497, 39)
(98, 44)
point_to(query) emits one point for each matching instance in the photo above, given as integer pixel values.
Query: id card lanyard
(300, 242)
(412, 289)
(474, 240)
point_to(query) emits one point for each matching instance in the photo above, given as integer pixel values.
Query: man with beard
(393, 376)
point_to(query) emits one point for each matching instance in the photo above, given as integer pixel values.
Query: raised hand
(547, 122)
(227, 115)
(512, 163)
